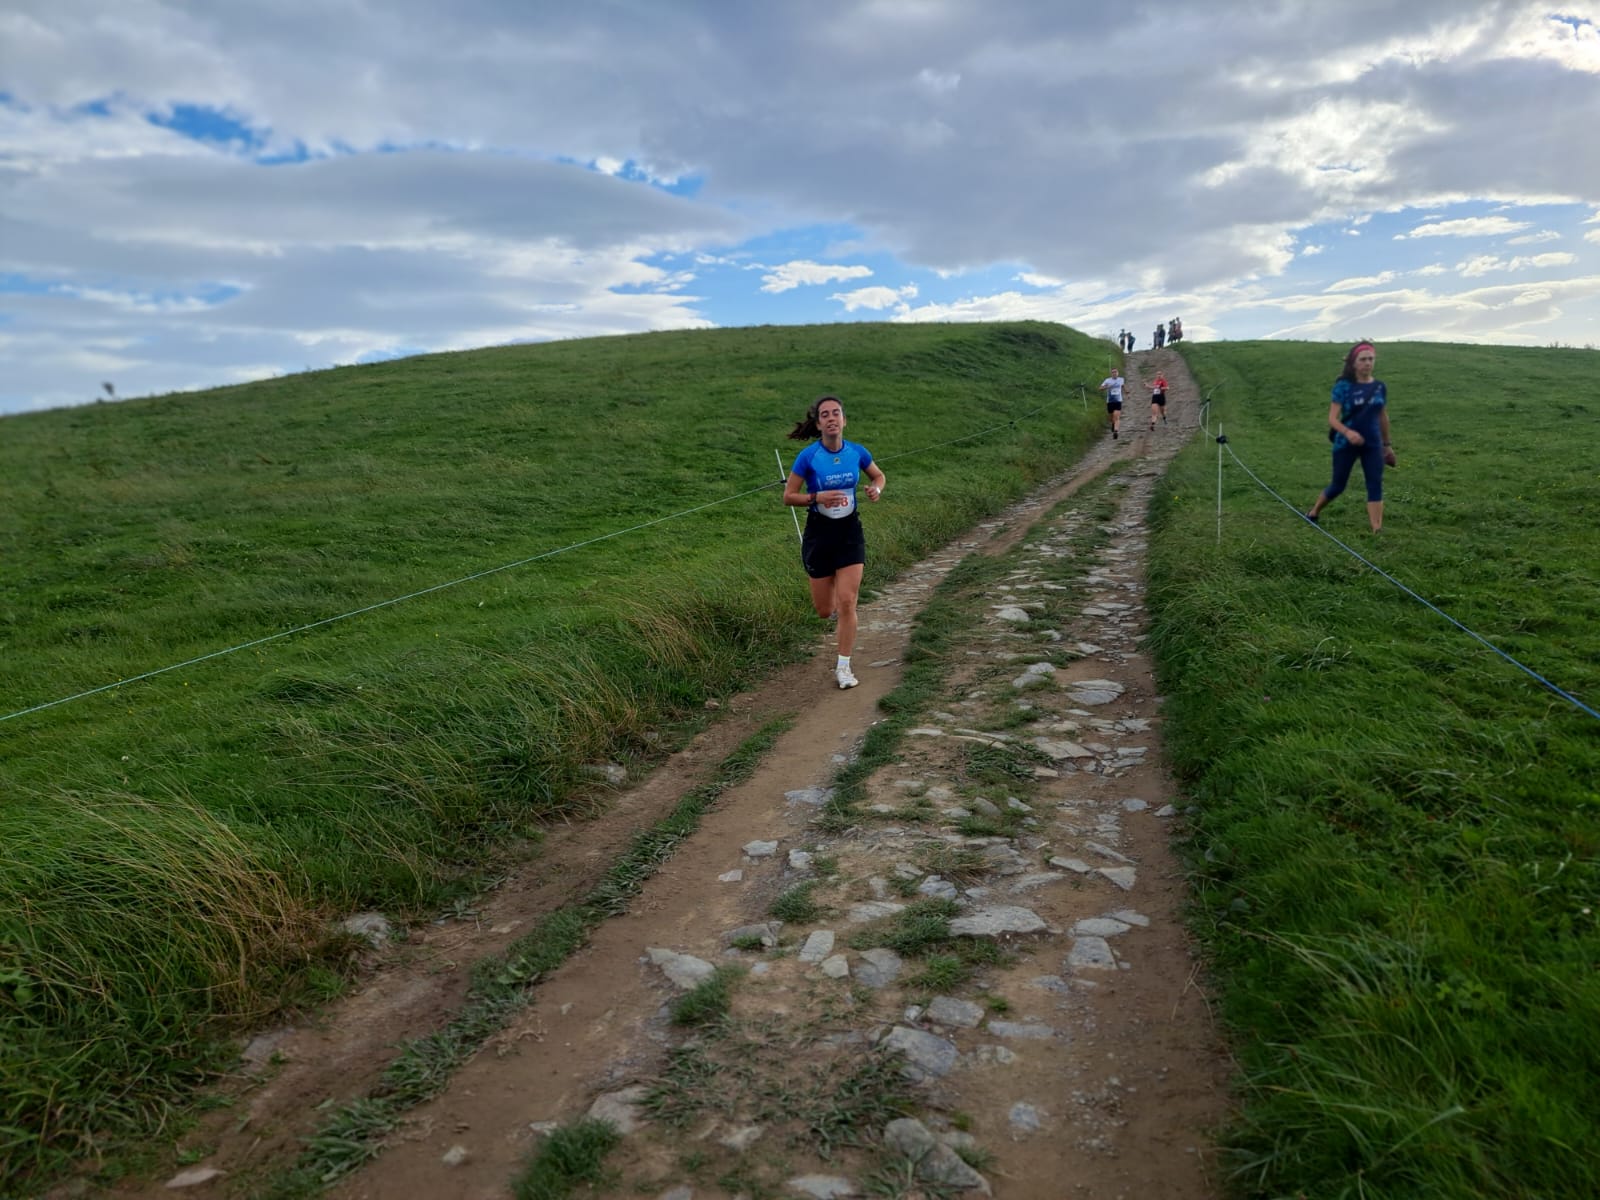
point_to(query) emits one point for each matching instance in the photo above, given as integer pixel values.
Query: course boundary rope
(439, 587)
(1372, 566)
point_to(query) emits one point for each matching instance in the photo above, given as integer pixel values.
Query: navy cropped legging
(1370, 455)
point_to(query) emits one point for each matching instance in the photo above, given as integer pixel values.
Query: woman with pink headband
(1358, 427)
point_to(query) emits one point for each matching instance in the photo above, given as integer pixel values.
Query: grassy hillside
(1397, 846)
(170, 849)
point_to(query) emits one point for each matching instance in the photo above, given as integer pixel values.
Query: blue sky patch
(213, 126)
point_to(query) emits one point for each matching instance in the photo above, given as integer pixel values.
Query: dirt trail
(1084, 1064)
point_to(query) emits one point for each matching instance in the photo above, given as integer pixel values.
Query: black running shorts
(829, 544)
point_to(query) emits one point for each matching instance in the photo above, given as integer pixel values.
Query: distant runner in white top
(1112, 387)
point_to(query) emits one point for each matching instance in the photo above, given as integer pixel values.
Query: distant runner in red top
(1158, 399)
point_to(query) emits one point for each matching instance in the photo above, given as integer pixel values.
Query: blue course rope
(1350, 550)
(439, 587)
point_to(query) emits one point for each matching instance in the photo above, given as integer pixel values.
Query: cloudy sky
(202, 193)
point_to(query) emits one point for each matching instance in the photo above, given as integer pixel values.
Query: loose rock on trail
(1048, 1037)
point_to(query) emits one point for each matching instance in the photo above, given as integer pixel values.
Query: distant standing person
(1112, 387)
(1358, 425)
(1158, 399)
(1131, 340)
(833, 548)
(1159, 338)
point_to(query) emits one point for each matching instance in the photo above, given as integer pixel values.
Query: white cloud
(1466, 227)
(876, 297)
(499, 171)
(1485, 263)
(804, 272)
(1360, 282)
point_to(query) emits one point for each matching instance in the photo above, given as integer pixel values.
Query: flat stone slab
(879, 967)
(1076, 865)
(1029, 883)
(818, 946)
(684, 970)
(1107, 852)
(1091, 953)
(1095, 691)
(1123, 877)
(947, 1010)
(936, 1162)
(1100, 927)
(1062, 750)
(761, 849)
(1036, 675)
(1024, 1119)
(926, 1055)
(822, 1187)
(1002, 918)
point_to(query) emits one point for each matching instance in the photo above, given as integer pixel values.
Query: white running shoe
(845, 677)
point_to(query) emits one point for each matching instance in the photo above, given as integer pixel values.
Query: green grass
(796, 905)
(1396, 834)
(706, 1003)
(571, 1156)
(386, 760)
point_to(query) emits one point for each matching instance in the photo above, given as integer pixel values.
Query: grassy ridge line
(381, 762)
(1396, 833)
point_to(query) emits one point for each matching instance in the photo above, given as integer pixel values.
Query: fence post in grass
(778, 454)
(1219, 483)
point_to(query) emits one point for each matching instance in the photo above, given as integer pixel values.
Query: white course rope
(439, 587)
(1350, 550)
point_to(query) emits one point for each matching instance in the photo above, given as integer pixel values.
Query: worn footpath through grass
(796, 995)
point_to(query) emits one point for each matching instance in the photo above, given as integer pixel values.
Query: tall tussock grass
(125, 923)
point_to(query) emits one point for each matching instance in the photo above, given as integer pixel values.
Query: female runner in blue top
(1358, 424)
(834, 546)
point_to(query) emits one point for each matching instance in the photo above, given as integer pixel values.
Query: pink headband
(1360, 346)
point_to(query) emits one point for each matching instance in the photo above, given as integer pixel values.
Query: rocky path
(975, 979)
